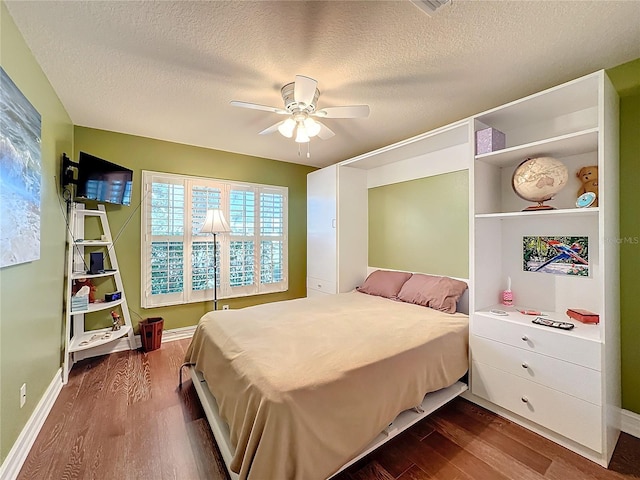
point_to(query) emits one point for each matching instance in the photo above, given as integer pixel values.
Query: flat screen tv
(103, 181)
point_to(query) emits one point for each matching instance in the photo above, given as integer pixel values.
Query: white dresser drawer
(553, 342)
(564, 414)
(315, 293)
(322, 286)
(566, 377)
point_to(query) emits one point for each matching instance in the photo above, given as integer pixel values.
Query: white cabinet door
(321, 224)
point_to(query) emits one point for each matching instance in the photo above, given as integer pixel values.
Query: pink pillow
(439, 293)
(384, 283)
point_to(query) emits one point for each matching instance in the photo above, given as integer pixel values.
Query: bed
(301, 389)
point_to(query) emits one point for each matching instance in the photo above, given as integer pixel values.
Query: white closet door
(321, 225)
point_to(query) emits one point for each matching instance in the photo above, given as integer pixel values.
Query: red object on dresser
(584, 316)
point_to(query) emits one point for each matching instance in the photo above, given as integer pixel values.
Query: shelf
(95, 338)
(562, 146)
(439, 139)
(82, 275)
(80, 242)
(586, 331)
(92, 243)
(96, 307)
(90, 213)
(574, 123)
(560, 212)
(560, 101)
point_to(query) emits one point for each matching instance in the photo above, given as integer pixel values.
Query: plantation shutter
(273, 244)
(177, 260)
(163, 245)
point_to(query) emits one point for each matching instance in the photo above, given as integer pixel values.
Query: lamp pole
(215, 272)
(215, 223)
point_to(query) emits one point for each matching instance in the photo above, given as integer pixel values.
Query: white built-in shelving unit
(77, 339)
(563, 384)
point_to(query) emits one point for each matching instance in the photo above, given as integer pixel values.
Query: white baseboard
(122, 344)
(18, 454)
(630, 423)
(178, 333)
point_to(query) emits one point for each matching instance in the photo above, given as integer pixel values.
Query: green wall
(412, 227)
(139, 153)
(626, 79)
(31, 326)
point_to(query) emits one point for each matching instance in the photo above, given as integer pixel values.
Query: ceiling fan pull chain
(308, 150)
(299, 153)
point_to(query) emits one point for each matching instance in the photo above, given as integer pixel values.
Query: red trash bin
(151, 333)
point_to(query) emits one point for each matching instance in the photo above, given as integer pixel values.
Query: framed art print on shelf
(556, 255)
(20, 176)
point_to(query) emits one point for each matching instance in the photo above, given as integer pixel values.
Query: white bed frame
(431, 402)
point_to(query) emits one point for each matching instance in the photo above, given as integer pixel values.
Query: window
(177, 261)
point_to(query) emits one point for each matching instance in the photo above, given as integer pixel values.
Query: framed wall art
(20, 176)
(557, 255)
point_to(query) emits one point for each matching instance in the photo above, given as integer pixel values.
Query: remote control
(553, 323)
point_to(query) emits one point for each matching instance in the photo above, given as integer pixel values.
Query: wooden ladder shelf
(77, 339)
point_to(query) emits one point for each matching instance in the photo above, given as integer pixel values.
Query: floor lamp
(215, 223)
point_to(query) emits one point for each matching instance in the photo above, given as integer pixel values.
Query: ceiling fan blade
(325, 132)
(304, 90)
(255, 106)
(272, 129)
(351, 111)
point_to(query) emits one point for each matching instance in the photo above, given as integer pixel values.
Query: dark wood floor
(122, 417)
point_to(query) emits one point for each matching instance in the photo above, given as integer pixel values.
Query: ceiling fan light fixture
(286, 128)
(301, 134)
(311, 126)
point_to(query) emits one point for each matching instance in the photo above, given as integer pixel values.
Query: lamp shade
(312, 127)
(301, 134)
(286, 127)
(215, 222)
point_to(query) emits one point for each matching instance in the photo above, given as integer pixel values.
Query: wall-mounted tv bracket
(69, 171)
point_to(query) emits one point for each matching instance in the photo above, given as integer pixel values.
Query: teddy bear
(589, 178)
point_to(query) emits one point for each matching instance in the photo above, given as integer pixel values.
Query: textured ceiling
(168, 70)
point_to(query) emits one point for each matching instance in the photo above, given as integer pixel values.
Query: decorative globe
(539, 179)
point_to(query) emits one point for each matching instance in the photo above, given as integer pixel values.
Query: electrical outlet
(225, 307)
(23, 395)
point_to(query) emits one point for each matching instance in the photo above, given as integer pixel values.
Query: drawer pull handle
(525, 365)
(525, 399)
(525, 338)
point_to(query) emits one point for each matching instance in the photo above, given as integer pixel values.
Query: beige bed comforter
(306, 384)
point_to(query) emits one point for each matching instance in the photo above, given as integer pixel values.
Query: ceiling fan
(300, 98)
